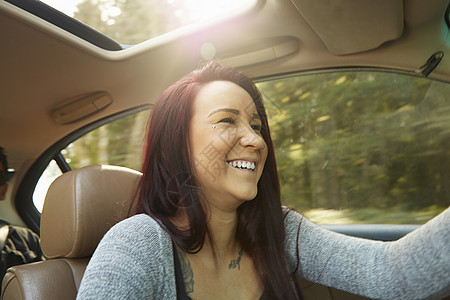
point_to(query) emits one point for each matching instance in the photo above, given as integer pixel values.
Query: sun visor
(260, 51)
(351, 26)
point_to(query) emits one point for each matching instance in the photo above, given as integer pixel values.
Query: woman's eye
(256, 127)
(228, 120)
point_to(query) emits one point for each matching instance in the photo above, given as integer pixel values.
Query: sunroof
(130, 22)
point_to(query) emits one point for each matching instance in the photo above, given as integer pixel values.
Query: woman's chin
(248, 196)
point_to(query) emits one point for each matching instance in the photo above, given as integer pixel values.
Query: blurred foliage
(133, 22)
(366, 141)
(364, 147)
(130, 22)
(117, 143)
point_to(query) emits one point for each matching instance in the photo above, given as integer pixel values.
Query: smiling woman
(204, 226)
(211, 210)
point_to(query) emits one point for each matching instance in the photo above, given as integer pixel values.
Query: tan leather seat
(79, 208)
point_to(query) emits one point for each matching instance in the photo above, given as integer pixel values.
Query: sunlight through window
(130, 22)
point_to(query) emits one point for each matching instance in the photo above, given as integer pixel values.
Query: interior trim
(260, 52)
(353, 26)
(379, 232)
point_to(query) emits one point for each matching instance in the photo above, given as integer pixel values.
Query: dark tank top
(181, 290)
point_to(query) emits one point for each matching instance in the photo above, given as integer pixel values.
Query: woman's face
(227, 150)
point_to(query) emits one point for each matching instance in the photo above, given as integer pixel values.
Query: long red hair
(167, 183)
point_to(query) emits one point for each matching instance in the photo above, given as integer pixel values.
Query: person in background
(19, 245)
(5, 175)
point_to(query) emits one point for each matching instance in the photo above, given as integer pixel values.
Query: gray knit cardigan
(134, 260)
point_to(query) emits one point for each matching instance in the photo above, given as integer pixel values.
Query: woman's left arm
(415, 267)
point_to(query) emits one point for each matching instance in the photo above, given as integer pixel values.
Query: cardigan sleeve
(134, 260)
(416, 266)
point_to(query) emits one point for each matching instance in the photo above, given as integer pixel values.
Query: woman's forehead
(220, 95)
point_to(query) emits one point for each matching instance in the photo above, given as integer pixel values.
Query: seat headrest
(81, 206)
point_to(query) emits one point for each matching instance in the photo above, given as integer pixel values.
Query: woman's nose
(251, 138)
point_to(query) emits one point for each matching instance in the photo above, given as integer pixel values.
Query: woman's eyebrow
(230, 110)
(256, 116)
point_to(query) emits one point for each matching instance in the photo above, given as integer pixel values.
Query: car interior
(71, 82)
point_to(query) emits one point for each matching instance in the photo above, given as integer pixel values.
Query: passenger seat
(79, 209)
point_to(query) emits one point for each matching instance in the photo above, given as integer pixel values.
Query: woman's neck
(222, 227)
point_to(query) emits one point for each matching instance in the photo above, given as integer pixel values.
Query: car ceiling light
(80, 107)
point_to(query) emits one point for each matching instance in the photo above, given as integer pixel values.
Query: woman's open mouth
(242, 164)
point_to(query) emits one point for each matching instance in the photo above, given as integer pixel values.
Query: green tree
(360, 139)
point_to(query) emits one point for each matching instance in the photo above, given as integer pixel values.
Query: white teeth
(242, 165)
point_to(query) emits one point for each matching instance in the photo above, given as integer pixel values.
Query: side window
(119, 142)
(51, 173)
(361, 147)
